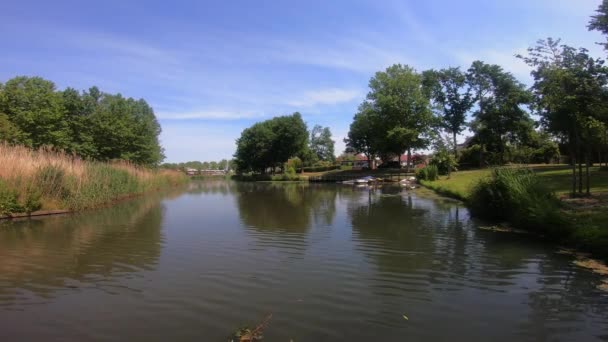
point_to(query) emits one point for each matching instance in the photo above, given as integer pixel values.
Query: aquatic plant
(247, 334)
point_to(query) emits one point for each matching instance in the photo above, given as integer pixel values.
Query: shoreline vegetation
(535, 199)
(46, 180)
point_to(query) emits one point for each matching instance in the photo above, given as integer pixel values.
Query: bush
(428, 173)
(321, 168)
(519, 197)
(10, 204)
(8, 201)
(444, 161)
(469, 156)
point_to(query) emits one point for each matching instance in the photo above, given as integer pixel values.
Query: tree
(570, 96)
(398, 95)
(500, 119)
(452, 97)
(599, 22)
(364, 135)
(322, 144)
(92, 125)
(269, 144)
(36, 110)
(396, 116)
(222, 164)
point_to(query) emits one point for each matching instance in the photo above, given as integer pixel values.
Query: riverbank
(585, 219)
(43, 180)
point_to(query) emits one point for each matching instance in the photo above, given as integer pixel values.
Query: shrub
(321, 168)
(445, 161)
(428, 173)
(8, 201)
(519, 197)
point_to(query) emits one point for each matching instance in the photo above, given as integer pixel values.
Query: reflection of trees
(40, 254)
(392, 231)
(562, 297)
(291, 207)
(212, 186)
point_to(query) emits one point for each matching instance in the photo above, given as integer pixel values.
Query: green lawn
(557, 178)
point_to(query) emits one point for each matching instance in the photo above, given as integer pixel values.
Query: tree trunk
(573, 162)
(580, 176)
(409, 159)
(481, 156)
(399, 160)
(588, 181)
(455, 146)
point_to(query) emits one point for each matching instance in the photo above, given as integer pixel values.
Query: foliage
(517, 196)
(428, 173)
(294, 163)
(469, 156)
(396, 116)
(35, 179)
(321, 143)
(91, 124)
(452, 99)
(500, 120)
(599, 22)
(570, 97)
(271, 143)
(320, 168)
(8, 200)
(444, 161)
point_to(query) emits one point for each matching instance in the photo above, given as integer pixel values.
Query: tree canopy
(321, 143)
(91, 124)
(395, 117)
(270, 143)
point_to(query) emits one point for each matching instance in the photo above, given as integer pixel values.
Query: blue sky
(211, 69)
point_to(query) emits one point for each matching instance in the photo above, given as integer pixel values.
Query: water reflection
(43, 254)
(289, 208)
(330, 262)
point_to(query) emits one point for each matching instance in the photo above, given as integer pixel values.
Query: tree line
(406, 110)
(266, 146)
(90, 124)
(223, 164)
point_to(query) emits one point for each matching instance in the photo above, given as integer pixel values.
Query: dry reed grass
(64, 181)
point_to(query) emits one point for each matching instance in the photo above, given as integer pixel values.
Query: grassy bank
(581, 222)
(46, 180)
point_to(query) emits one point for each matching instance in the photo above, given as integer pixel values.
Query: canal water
(329, 262)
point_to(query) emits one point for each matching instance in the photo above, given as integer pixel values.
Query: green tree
(36, 111)
(570, 96)
(599, 21)
(398, 97)
(322, 144)
(452, 98)
(500, 119)
(222, 164)
(365, 134)
(269, 144)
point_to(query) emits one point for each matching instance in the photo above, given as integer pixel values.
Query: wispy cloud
(214, 114)
(325, 97)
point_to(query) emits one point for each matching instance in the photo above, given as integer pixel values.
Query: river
(330, 262)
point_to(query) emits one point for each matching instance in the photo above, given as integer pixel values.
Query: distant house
(191, 171)
(358, 162)
(418, 160)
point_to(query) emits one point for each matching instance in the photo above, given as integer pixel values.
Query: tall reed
(517, 195)
(34, 179)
